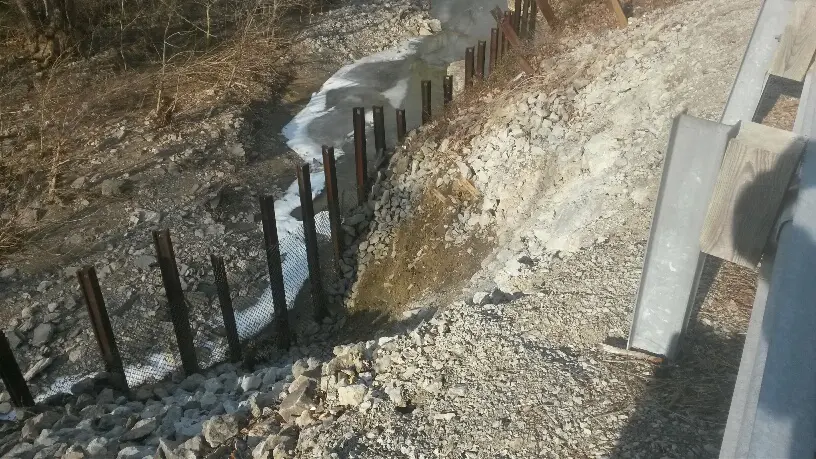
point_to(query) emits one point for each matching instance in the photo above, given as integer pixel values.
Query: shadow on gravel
(685, 404)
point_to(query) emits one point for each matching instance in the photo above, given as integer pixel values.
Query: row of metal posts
(509, 27)
(15, 382)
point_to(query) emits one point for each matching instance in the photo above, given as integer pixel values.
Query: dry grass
(157, 65)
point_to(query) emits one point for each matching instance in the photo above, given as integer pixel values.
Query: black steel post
(480, 60)
(469, 66)
(401, 126)
(525, 17)
(333, 204)
(100, 322)
(12, 376)
(447, 89)
(426, 101)
(379, 130)
(175, 300)
(360, 159)
(227, 312)
(274, 264)
(310, 238)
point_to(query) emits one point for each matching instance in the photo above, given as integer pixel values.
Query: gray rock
(8, 272)
(111, 187)
(141, 429)
(250, 382)
(144, 262)
(351, 395)
(74, 452)
(299, 400)
(213, 385)
(41, 334)
(105, 396)
(221, 428)
(136, 452)
(481, 298)
(34, 426)
(78, 182)
(5, 407)
(97, 447)
(193, 382)
(13, 339)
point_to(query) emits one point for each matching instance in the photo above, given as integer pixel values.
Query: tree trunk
(51, 25)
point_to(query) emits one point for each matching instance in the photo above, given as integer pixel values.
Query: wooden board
(617, 10)
(753, 178)
(798, 43)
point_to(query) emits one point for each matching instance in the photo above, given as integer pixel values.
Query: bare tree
(51, 25)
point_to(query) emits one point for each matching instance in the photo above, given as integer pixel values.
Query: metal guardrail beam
(774, 399)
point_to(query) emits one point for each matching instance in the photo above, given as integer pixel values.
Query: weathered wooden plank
(617, 10)
(547, 12)
(754, 175)
(798, 43)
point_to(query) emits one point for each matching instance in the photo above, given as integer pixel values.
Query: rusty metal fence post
(100, 322)
(447, 89)
(469, 66)
(227, 311)
(500, 41)
(12, 376)
(494, 50)
(333, 204)
(273, 263)
(531, 22)
(310, 238)
(426, 101)
(508, 19)
(401, 126)
(516, 15)
(379, 130)
(358, 118)
(525, 18)
(175, 300)
(480, 60)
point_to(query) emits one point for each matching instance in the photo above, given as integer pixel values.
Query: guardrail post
(333, 204)
(227, 312)
(480, 60)
(100, 322)
(12, 376)
(358, 118)
(175, 300)
(447, 89)
(469, 66)
(310, 238)
(426, 101)
(401, 126)
(274, 264)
